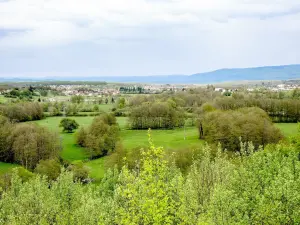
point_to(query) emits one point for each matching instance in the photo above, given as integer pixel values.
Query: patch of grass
(97, 168)
(105, 107)
(70, 152)
(288, 129)
(169, 139)
(6, 167)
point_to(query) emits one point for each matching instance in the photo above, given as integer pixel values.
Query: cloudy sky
(145, 37)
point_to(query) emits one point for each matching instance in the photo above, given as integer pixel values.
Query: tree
(101, 137)
(77, 99)
(31, 143)
(80, 171)
(50, 168)
(249, 124)
(69, 125)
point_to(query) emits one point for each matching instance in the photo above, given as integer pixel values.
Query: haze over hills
(286, 72)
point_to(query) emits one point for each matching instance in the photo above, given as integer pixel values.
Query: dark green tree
(69, 125)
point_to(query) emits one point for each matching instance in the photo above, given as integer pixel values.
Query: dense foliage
(253, 188)
(68, 125)
(20, 112)
(231, 127)
(26, 144)
(101, 137)
(156, 115)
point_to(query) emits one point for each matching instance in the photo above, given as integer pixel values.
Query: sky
(55, 38)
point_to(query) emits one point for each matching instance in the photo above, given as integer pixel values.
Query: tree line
(26, 144)
(156, 115)
(23, 111)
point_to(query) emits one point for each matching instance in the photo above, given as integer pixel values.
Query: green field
(5, 167)
(169, 139)
(288, 129)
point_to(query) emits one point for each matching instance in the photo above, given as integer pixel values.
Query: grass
(6, 167)
(288, 129)
(70, 152)
(169, 139)
(97, 168)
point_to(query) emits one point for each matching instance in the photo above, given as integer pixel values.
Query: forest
(223, 157)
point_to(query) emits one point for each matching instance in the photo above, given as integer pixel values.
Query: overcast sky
(145, 37)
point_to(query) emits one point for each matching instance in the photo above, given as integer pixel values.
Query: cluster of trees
(156, 115)
(26, 93)
(132, 90)
(280, 110)
(231, 127)
(26, 144)
(68, 109)
(101, 137)
(256, 188)
(21, 112)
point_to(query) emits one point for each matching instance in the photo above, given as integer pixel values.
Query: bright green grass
(97, 168)
(71, 151)
(288, 129)
(6, 167)
(169, 139)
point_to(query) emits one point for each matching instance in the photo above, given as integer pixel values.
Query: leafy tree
(69, 125)
(249, 124)
(32, 143)
(50, 168)
(80, 171)
(77, 99)
(101, 137)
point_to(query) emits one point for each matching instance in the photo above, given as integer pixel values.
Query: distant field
(288, 129)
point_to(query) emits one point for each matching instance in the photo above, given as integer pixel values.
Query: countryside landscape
(149, 112)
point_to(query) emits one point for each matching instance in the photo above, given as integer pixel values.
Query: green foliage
(101, 137)
(31, 143)
(50, 168)
(156, 115)
(20, 112)
(68, 125)
(77, 99)
(252, 188)
(80, 171)
(249, 124)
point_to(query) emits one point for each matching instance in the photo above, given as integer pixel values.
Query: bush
(101, 137)
(50, 168)
(69, 125)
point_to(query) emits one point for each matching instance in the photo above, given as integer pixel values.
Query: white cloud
(52, 22)
(139, 37)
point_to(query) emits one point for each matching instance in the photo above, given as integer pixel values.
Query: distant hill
(286, 72)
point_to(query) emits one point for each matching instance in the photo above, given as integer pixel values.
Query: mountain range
(286, 72)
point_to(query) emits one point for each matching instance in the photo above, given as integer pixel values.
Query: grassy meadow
(288, 129)
(169, 139)
(5, 167)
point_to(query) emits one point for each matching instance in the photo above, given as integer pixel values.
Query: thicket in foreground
(254, 188)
